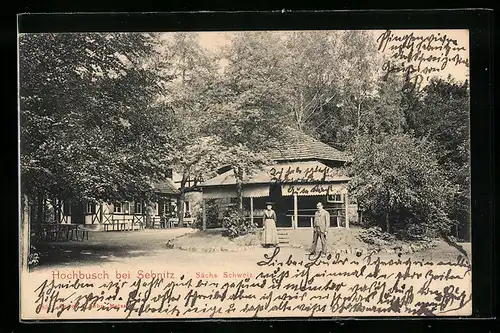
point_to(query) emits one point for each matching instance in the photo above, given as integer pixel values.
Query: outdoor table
(68, 229)
(48, 230)
(59, 230)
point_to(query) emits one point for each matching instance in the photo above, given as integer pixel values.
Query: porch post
(251, 210)
(346, 203)
(295, 211)
(204, 212)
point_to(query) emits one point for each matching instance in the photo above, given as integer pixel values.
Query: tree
(90, 129)
(332, 78)
(397, 179)
(442, 114)
(189, 95)
(249, 117)
(312, 73)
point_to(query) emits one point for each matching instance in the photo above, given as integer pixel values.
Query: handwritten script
(280, 285)
(419, 55)
(303, 174)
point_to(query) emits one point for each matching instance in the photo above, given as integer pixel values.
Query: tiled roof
(166, 187)
(304, 147)
(318, 172)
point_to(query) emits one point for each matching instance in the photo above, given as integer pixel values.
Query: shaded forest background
(104, 116)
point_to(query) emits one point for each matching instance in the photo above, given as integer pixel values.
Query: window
(118, 207)
(187, 212)
(90, 209)
(334, 197)
(122, 207)
(126, 207)
(138, 207)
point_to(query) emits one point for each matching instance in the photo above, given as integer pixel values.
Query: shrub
(33, 258)
(212, 213)
(376, 236)
(235, 223)
(399, 182)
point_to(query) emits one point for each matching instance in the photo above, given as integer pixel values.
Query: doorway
(77, 213)
(282, 206)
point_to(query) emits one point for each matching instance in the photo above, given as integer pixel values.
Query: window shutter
(132, 207)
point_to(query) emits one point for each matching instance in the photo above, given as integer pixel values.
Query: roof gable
(303, 147)
(166, 186)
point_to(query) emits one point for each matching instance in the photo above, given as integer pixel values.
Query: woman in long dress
(270, 234)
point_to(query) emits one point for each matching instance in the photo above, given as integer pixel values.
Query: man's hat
(269, 203)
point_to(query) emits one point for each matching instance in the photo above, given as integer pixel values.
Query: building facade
(303, 173)
(133, 214)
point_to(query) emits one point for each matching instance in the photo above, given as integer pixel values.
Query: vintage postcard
(244, 174)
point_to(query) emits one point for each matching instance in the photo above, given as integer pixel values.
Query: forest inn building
(131, 214)
(302, 174)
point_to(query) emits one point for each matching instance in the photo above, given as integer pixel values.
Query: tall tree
(89, 126)
(442, 115)
(192, 90)
(398, 180)
(250, 118)
(331, 80)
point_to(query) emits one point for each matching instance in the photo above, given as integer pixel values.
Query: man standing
(320, 229)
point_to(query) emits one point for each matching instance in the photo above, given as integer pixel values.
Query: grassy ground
(160, 257)
(336, 237)
(214, 240)
(107, 246)
(151, 245)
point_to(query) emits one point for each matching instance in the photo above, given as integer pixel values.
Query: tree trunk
(180, 201)
(301, 111)
(358, 125)
(59, 210)
(25, 233)
(148, 213)
(39, 210)
(239, 187)
(54, 207)
(387, 223)
(44, 208)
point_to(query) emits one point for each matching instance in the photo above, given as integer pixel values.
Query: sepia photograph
(244, 174)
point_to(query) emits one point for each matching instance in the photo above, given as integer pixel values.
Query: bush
(33, 258)
(212, 213)
(376, 236)
(398, 181)
(235, 223)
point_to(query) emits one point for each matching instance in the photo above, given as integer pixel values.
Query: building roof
(166, 186)
(304, 147)
(293, 172)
